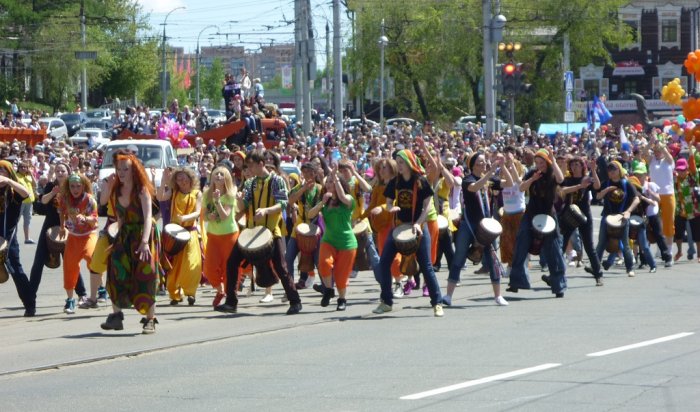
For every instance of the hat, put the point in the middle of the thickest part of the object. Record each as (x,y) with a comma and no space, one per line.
(681,164)
(369,173)
(544,155)
(618,166)
(635,181)
(640,168)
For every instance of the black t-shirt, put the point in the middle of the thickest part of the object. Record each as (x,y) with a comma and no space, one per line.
(619,199)
(402,192)
(472,201)
(10,209)
(580,197)
(542,193)
(51,209)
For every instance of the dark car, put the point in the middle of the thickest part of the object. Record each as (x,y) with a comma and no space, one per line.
(74,122)
(98,124)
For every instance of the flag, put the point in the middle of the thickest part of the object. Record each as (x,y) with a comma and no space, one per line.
(590,119)
(602,114)
(623,136)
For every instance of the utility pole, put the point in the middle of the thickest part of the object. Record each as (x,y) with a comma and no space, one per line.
(382,44)
(163,77)
(489,100)
(328,66)
(337,69)
(83,77)
(298,72)
(306,90)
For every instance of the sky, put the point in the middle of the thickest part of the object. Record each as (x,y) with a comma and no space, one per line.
(249,23)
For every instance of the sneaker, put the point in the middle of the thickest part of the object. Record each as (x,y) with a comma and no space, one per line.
(559,295)
(217,299)
(398,290)
(382,308)
(114,322)
(500,301)
(267,298)
(342,305)
(191,300)
(447,300)
(426,292)
(317,287)
(87,304)
(589,269)
(652,270)
(545,279)
(226,308)
(326,299)
(606,265)
(149,325)
(101,295)
(300,285)
(668,264)
(631,273)
(175,302)
(294,309)
(621,261)
(438,312)
(599,281)
(409,286)
(69,307)
(29,242)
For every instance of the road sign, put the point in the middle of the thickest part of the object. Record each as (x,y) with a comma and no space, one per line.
(86,55)
(569,81)
(569,117)
(569,101)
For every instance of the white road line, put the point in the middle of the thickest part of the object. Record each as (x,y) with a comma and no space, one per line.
(641,344)
(468,384)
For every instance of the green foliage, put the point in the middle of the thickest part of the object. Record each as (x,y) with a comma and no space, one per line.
(211,83)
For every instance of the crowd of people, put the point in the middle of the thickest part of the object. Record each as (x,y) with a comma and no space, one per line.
(402,203)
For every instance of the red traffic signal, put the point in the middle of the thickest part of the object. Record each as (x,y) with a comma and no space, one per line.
(508,69)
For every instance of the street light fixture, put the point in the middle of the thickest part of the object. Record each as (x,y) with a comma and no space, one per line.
(383,41)
(163,87)
(199,74)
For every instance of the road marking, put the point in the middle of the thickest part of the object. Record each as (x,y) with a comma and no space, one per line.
(468,384)
(641,344)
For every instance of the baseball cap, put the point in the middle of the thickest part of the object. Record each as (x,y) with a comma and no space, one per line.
(681,164)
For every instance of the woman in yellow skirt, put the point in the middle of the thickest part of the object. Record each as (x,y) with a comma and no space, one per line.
(185,209)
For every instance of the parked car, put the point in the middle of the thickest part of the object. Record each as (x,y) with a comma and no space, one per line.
(155,153)
(99,114)
(55,127)
(501,126)
(216,116)
(396,122)
(102,124)
(74,121)
(353,123)
(101,137)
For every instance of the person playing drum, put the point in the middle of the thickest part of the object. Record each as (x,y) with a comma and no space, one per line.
(222,230)
(263,198)
(640,212)
(12,193)
(576,190)
(185,210)
(408,197)
(339,245)
(620,197)
(476,208)
(303,196)
(78,211)
(542,184)
(134,265)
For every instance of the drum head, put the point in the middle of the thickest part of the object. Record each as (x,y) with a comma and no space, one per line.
(442,222)
(56,234)
(455,215)
(242,221)
(177,232)
(544,224)
(113,230)
(308,229)
(403,233)
(575,209)
(360,227)
(492,226)
(636,220)
(254,238)
(614,220)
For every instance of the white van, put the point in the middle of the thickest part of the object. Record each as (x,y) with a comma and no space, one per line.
(158,154)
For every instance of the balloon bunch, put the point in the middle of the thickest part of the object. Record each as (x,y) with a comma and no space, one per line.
(673,92)
(170,129)
(691,108)
(692,63)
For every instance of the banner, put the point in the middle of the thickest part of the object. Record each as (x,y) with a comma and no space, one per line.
(287,82)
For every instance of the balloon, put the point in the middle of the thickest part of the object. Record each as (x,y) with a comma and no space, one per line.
(681,119)
(184,144)
(692,63)
(604,128)
(691,109)
(673,92)
(667,122)
(638,127)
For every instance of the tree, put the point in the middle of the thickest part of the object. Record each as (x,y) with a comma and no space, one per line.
(212,79)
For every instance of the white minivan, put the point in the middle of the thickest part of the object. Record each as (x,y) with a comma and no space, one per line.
(157,154)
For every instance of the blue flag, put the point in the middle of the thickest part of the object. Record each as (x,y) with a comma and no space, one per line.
(590,119)
(601,113)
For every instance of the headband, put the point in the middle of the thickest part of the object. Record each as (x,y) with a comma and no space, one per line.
(74,178)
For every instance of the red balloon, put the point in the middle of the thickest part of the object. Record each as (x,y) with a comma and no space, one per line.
(638,127)
(667,122)
(604,128)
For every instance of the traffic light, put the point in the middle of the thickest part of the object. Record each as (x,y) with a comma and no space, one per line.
(502,111)
(508,71)
(520,79)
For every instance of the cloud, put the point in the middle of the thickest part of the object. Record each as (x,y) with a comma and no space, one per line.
(160,6)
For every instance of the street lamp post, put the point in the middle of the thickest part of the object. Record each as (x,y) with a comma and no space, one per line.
(163,88)
(383,41)
(199,74)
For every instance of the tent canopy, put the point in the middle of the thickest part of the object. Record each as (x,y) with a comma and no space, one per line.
(550,129)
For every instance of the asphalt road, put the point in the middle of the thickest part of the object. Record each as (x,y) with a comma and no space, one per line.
(631,345)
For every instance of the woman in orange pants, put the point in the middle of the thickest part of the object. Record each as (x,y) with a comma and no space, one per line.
(78,212)
(338,245)
(222,230)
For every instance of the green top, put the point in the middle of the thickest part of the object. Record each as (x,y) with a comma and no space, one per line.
(218,226)
(339,226)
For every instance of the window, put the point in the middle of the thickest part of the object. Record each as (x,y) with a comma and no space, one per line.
(630,86)
(592,87)
(669,31)
(634,29)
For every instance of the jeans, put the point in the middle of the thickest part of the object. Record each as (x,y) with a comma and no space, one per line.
(373,257)
(291,255)
(551,251)
(41,256)
(691,242)
(426,266)
(603,241)
(644,250)
(655,225)
(465,239)
(446,247)
(277,257)
(14,267)
(586,234)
